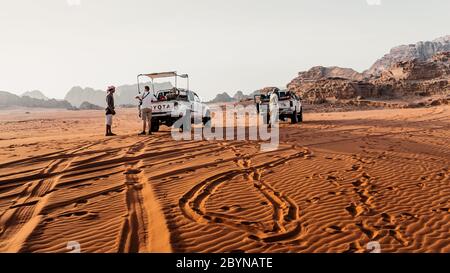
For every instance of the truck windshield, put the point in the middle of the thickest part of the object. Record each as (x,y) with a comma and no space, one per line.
(284,95)
(172,94)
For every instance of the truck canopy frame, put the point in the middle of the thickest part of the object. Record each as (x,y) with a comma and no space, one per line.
(159,75)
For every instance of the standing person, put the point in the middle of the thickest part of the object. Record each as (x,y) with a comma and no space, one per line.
(145,101)
(110,111)
(273,108)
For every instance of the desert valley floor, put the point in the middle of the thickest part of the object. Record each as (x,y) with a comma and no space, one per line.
(337,182)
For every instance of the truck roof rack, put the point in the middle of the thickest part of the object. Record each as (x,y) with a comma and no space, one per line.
(159,75)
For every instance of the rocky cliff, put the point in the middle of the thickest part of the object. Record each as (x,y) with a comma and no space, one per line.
(320,72)
(406,78)
(405,72)
(421,51)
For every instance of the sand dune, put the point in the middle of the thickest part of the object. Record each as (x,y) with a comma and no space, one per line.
(336,183)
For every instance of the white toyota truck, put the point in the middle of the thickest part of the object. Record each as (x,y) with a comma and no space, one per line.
(289,105)
(176,106)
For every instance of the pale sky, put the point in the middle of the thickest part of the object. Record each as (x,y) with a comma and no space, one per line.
(226,45)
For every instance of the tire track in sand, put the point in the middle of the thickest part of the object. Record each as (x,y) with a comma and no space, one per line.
(286,218)
(19,221)
(137,235)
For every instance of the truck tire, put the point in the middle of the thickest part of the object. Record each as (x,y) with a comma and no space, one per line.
(207,119)
(155,126)
(294,117)
(300,115)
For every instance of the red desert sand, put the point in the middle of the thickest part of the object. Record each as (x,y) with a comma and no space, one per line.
(337,182)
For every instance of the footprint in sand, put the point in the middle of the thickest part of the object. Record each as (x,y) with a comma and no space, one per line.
(369,231)
(388,218)
(420,185)
(336,193)
(398,236)
(243,163)
(91,216)
(73,213)
(355,247)
(313,200)
(358,183)
(233,208)
(333,180)
(334,229)
(365,175)
(355,210)
(405,216)
(248,223)
(355,168)
(80,202)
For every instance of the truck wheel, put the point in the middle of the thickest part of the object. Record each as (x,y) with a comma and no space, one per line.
(155,126)
(300,115)
(294,119)
(207,119)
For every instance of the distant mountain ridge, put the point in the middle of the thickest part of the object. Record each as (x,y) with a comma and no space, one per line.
(89,106)
(125,94)
(35,94)
(8,99)
(239,96)
(77,95)
(222,97)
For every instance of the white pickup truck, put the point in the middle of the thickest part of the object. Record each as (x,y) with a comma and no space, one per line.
(175,104)
(289,105)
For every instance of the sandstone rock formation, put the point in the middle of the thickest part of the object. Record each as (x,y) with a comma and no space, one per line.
(333,89)
(320,72)
(421,51)
(437,67)
(407,71)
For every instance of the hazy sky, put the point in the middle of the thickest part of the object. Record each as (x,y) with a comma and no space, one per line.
(226,45)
